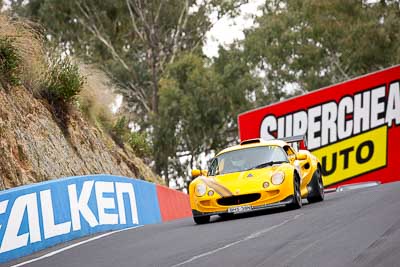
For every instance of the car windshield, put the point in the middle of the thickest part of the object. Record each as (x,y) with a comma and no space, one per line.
(247,159)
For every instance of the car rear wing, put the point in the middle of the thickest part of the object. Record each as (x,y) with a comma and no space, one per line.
(297,141)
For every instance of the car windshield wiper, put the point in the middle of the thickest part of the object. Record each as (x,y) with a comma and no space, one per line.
(266,164)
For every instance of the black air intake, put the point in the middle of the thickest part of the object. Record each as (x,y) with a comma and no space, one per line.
(236,200)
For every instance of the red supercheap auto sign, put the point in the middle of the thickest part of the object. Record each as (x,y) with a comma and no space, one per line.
(352,127)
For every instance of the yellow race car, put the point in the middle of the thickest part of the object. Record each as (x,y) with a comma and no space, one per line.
(255,175)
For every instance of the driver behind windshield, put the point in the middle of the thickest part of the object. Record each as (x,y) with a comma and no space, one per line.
(249,158)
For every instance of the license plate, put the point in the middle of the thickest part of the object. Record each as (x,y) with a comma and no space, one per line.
(239,209)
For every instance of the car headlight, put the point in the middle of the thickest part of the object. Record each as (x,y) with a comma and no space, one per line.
(277,178)
(200,189)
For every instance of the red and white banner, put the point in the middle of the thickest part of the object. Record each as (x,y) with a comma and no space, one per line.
(352,127)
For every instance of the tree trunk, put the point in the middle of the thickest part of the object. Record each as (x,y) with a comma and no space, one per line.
(166,175)
(154,63)
(191,160)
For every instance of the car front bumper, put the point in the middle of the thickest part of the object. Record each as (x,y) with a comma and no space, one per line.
(253,208)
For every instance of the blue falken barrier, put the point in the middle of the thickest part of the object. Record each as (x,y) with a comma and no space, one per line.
(38,216)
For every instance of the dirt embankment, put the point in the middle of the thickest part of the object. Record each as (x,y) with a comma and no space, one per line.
(35,146)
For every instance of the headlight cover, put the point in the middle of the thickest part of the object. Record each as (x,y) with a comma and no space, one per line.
(200,189)
(278,178)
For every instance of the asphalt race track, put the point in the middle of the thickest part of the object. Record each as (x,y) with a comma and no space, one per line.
(352,228)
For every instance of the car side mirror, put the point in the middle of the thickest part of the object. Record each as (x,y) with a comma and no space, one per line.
(197,173)
(301,155)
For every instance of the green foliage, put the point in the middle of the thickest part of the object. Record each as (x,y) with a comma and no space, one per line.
(120,126)
(116,128)
(119,131)
(188,110)
(85,105)
(64,82)
(139,144)
(121,134)
(317,43)
(239,86)
(199,103)
(104,120)
(9,62)
(133,41)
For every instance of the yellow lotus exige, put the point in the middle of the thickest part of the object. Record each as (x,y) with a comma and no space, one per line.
(255,175)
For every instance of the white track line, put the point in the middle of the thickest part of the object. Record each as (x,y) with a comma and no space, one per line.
(72,246)
(251,236)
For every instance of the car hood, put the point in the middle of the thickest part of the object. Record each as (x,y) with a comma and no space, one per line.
(238,183)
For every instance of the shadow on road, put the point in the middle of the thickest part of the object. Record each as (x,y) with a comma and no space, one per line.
(228,217)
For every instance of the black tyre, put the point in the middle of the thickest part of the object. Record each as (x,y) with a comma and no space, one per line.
(201,219)
(316,188)
(296,204)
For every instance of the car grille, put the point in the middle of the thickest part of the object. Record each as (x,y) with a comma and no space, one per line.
(236,200)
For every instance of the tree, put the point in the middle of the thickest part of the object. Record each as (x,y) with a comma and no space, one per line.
(200,101)
(239,86)
(311,43)
(133,40)
(189,102)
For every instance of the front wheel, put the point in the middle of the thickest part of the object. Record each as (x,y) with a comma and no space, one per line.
(201,219)
(296,204)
